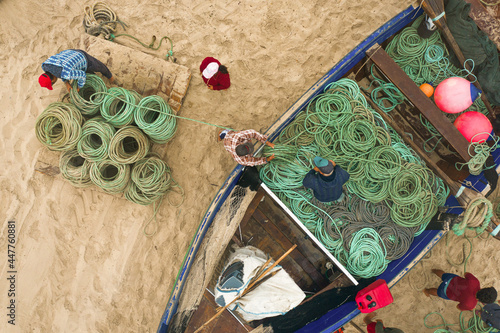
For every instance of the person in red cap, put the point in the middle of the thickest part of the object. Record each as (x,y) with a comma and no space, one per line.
(215,75)
(71,65)
(239,145)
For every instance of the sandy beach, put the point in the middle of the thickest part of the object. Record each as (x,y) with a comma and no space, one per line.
(83,262)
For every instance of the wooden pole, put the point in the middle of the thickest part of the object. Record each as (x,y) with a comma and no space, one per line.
(433,9)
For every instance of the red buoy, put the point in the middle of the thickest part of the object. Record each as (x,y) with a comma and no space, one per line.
(474,126)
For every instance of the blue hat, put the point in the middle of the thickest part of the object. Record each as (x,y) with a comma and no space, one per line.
(325,166)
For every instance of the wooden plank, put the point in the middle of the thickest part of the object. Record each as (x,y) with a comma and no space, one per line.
(454,187)
(489,24)
(408,117)
(206,310)
(435,116)
(433,8)
(410,122)
(293,233)
(285,243)
(144,73)
(263,241)
(251,208)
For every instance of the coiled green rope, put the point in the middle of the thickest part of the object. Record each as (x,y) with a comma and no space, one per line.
(477,217)
(128,145)
(110,176)
(367,254)
(151,179)
(86,100)
(75,168)
(58,127)
(95,139)
(481,153)
(339,125)
(160,126)
(118,106)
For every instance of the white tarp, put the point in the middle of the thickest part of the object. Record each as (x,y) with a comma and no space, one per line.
(276,296)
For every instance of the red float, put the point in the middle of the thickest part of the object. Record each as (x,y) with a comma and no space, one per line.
(474,126)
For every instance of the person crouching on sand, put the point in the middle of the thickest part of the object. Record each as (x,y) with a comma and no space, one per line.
(71,65)
(466,290)
(215,75)
(239,145)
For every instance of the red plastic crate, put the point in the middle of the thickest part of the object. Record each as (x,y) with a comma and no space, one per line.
(375,296)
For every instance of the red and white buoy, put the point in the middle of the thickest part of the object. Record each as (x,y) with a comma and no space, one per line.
(455,94)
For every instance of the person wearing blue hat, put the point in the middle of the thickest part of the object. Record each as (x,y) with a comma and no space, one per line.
(326,180)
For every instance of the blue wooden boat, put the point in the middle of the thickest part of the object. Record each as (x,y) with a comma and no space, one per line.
(422,244)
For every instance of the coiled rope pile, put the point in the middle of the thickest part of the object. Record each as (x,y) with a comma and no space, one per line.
(403,193)
(103,146)
(100,19)
(424,60)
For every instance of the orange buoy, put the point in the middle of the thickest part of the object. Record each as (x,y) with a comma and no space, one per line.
(427,89)
(474,126)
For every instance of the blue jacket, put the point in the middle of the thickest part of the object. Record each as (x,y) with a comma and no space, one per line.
(329,188)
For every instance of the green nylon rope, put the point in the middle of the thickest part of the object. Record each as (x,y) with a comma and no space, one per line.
(59,126)
(95,139)
(475,324)
(482,151)
(128,145)
(110,176)
(339,125)
(75,168)
(159,125)
(118,106)
(116,98)
(477,217)
(151,179)
(86,99)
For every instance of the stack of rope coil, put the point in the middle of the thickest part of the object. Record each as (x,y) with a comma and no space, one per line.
(101,143)
(400,192)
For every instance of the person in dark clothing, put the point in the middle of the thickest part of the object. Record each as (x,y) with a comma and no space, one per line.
(214,74)
(71,65)
(326,180)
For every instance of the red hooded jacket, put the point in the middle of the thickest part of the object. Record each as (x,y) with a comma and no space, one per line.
(220,80)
